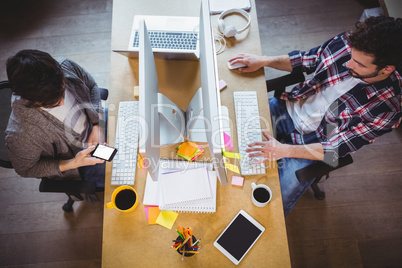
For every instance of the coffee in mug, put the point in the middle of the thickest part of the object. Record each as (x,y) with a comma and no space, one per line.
(124,199)
(261,194)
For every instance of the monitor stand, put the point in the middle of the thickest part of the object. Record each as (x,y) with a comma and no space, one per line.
(174,121)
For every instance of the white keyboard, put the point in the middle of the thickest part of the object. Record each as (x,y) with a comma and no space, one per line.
(125,161)
(248,130)
(170,40)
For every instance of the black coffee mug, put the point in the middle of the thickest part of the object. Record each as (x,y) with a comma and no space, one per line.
(261,194)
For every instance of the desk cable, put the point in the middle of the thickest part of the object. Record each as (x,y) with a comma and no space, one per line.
(218,38)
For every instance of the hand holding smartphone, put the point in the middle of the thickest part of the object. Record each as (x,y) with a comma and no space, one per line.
(104,152)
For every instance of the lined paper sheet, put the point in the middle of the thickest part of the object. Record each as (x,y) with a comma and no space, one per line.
(184,187)
(206,206)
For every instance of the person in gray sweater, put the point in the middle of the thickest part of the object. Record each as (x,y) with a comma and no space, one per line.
(54,124)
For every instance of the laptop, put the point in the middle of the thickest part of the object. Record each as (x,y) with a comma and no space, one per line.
(172,37)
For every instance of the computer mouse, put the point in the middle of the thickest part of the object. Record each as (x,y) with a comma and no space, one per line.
(236,65)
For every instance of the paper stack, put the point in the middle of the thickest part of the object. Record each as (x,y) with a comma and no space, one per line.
(190,189)
(190,150)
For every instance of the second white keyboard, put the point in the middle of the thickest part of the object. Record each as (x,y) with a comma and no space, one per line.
(125,161)
(248,130)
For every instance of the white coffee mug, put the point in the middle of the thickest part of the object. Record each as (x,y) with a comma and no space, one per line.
(261,194)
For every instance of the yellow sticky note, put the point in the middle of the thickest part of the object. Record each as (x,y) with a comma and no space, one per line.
(231,155)
(141,163)
(232,168)
(136,92)
(153,214)
(167,219)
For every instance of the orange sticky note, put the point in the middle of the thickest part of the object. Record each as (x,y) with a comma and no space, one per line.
(153,213)
(187,148)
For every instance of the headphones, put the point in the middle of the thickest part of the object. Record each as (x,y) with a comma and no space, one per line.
(230,31)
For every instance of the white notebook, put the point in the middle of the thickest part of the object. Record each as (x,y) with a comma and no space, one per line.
(183,187)
(205,206)
(152,194)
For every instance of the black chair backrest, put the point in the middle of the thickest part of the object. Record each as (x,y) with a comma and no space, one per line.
(104,93)
(5,111)
(398,68)
(279,84)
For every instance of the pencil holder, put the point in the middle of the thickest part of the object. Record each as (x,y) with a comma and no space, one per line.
(185,247)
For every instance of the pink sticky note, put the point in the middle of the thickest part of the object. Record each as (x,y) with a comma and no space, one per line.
(200,153)
(238,181)
(146,212)
(222,84)
(227,140)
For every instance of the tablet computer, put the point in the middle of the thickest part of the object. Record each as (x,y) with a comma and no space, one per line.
(239,236)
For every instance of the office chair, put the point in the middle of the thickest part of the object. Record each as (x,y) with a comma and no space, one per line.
(72,188)
(5,111)
(319,169)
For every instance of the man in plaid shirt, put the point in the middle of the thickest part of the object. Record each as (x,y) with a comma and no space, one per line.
(352,98)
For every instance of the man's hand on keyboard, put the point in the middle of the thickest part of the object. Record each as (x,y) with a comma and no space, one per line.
(270,150)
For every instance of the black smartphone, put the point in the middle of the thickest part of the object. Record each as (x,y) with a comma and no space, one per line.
(104,152)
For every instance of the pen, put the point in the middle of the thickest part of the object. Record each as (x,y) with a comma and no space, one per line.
(185,241)
(190,233)
(175,245)
(190,251)
(182,258)
(196,242)
(183,245)
(180,234)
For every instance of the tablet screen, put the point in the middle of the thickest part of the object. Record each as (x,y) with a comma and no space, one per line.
(239,237)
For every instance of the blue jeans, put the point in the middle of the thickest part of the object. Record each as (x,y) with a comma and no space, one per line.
(291,188)
(96,173)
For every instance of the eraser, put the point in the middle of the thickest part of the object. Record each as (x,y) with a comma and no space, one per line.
(222,84)
(136,92)
(238,181)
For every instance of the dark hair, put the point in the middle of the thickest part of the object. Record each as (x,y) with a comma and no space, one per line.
(380,37)
(37,77)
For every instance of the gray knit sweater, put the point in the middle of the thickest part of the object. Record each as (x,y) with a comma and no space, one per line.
(37,141)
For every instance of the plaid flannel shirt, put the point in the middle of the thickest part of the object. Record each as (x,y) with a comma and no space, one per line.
(358,117)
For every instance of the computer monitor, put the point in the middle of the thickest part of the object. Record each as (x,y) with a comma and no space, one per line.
(210,93)
(149,144)
(152,103)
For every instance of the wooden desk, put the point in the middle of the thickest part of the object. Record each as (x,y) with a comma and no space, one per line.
(128,240)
